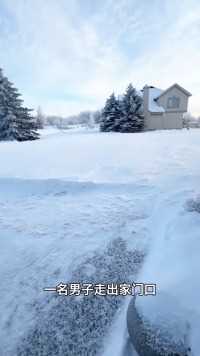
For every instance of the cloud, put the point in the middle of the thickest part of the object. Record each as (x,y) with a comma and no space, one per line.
(69,55)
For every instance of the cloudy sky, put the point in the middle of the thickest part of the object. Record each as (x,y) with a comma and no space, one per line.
(69,55)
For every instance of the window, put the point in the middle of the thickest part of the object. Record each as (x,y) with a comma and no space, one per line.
(173,102)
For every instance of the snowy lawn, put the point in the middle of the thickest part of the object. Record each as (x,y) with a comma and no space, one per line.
(92,206)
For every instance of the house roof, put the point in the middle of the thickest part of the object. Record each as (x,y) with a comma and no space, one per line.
(177,86)
(153,106)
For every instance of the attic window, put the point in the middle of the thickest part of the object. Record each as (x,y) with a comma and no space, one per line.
(173,102)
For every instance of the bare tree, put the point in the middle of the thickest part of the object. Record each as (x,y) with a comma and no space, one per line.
(40,118)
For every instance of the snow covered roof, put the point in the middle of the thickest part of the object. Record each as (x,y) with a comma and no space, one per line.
(153,106)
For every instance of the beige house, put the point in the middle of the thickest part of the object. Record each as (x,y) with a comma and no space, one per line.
(164,109)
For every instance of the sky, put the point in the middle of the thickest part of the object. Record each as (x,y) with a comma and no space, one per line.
(68,56)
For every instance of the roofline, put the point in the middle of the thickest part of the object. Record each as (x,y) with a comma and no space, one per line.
(175,85)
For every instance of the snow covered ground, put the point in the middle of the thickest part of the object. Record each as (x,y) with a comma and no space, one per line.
(87,205)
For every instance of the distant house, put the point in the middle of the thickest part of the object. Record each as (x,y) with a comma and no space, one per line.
(164,109)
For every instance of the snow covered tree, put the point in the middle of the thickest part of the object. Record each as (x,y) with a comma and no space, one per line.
(110,115)
(124,114)
(27,126)
(16,122)
(132,119)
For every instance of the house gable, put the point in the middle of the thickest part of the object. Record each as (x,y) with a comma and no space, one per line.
(176,86)
(174,99)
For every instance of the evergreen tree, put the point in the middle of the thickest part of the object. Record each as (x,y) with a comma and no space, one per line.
(132,119)
(110,115)
(16,122)
(119,117)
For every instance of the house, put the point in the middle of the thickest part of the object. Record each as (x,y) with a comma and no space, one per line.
(164,109)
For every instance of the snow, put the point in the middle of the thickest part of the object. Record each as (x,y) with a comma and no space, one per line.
(154,93)
(117,341)
(174,261)
(64,199)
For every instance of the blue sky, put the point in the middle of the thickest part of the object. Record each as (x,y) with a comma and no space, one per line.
(69,55)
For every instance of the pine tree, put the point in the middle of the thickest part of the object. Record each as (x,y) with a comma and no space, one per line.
(131,106)
(16,122)
(119,116)
(110,115)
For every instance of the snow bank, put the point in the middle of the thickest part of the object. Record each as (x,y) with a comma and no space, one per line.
(173,262)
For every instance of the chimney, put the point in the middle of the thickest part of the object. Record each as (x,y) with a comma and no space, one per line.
(145,98)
